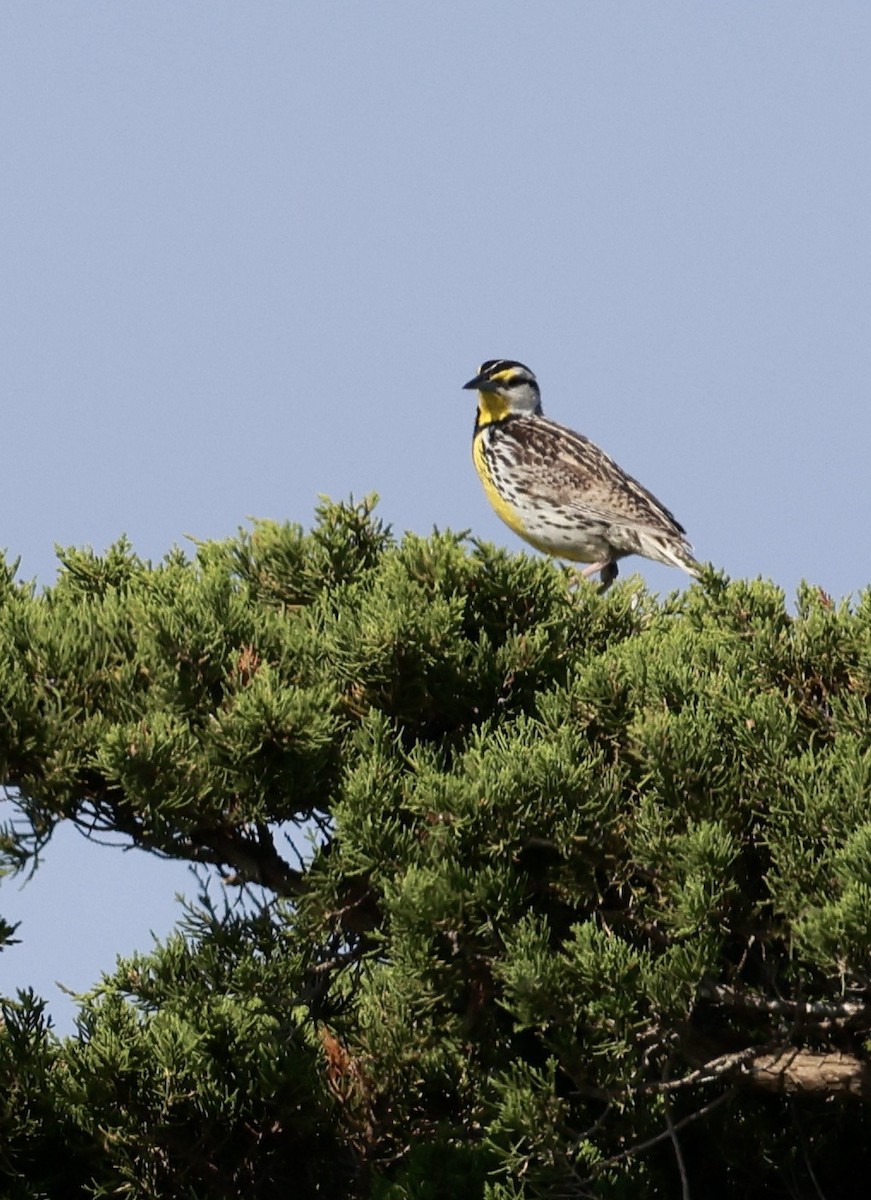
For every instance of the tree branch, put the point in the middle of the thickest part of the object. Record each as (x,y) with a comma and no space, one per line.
(793,1071)
(254,859)
(819,1010)
(785,1069)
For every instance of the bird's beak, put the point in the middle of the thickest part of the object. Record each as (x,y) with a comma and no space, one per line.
(482,384)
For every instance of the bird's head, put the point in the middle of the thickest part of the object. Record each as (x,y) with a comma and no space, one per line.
(505,388)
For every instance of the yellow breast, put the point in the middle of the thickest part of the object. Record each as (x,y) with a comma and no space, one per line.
(552,530)
(503,508)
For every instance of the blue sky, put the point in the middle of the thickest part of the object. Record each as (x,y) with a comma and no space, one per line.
(252,251)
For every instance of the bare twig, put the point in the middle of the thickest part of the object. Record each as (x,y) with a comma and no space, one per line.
(715,1069)
(803,1143)
(672,1132)
(640,1147)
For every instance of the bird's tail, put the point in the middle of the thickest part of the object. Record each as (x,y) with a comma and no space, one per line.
(674,552)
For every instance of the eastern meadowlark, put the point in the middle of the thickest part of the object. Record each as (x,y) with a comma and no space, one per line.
(558,490)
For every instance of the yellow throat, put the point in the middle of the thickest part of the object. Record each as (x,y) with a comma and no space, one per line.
(491,407)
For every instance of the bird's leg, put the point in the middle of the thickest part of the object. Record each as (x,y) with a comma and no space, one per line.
(608,571)
(593,568)
(608,574)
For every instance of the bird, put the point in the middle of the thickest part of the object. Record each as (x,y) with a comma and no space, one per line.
(557,489)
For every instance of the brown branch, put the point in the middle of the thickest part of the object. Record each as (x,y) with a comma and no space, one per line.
(782,1067)
(249,853)
(809,1072)
(786,1069)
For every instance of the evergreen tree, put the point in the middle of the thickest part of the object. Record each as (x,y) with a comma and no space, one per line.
(586,905)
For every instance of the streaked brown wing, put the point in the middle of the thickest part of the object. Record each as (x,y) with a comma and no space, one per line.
(552,462)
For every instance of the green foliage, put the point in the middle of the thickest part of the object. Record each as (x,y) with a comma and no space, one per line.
(193,1074)
(567,849)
